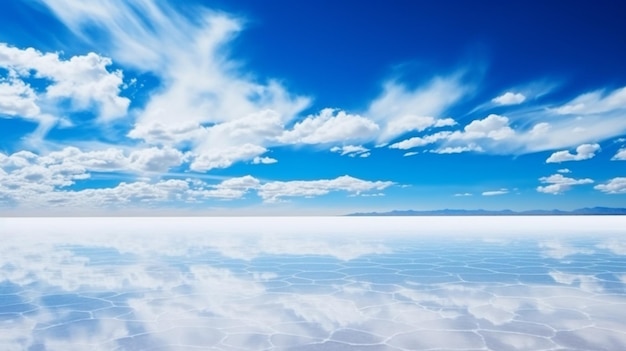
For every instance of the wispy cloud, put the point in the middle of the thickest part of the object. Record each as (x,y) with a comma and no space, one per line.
(538,129)
(330,126)
(463,194)
(502,191)
(400,109)
(595,103)
(351,150)
(420,141)
(620,155)
(200,84)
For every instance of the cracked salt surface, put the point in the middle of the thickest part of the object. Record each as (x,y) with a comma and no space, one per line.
(461,283)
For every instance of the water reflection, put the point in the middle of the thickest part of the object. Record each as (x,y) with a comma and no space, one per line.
(180,284)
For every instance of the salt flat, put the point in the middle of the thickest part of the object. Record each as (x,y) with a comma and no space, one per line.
(313,283)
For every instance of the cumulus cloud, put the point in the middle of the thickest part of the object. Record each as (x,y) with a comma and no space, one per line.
(620,155)
(151,159)
(564,171)
(83,79)
(490,134)
(242,139)
(351,150)
(502,191)
(155,159)
(276,190)
(509,98)
(31,179)
(225,156)
(28,180)
(583,152)
(557,183)
(330,126)
(17,99)
(493,127)
(614,186)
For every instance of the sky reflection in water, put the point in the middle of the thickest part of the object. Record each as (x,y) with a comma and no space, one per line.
(313,283)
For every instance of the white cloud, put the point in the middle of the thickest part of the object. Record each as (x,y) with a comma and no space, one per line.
(34,180)
(444,122)
(587,119)
(493,127)
(225,157)
(159,134)
(274,191)
(30,181)
(113,159)
(509,98)
(463,194)
(17,99)
(407,123)
(557,183)
(351,150)
(620,155)
(457,149)
(233,188)
(205,101)
(263,160)
(614,186)
(543,128)
(243,139)
(594,103)
(84,80)
(155,159)
(412,153)
(330,126)
(420,141)
(502,191)
(399,109)
(564,171)
(583,152)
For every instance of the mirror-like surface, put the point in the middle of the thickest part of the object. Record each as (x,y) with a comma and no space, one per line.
(524,283)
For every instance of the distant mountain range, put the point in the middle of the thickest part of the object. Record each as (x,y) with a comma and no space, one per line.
(589,211)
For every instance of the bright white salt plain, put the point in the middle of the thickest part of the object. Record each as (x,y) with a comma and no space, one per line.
(313,283)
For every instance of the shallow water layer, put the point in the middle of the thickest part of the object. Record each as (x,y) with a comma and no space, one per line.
(448,283)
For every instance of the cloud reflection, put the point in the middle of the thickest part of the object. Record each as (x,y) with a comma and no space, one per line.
(109,289)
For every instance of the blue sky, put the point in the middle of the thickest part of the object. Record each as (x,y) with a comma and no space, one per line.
(310,107)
